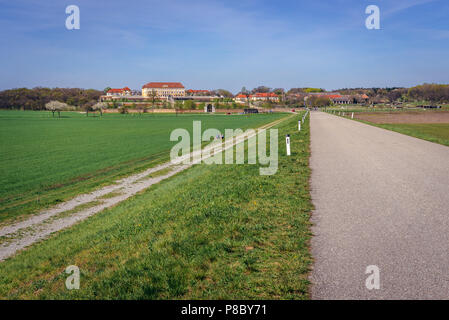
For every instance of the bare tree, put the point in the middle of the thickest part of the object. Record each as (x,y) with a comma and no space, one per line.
(261,89)
(99,107)
(246,93)
(88,107)
(153,99)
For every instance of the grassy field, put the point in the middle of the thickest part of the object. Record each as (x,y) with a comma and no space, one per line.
(211,232)
(435,132)
(359,109)
(47,160)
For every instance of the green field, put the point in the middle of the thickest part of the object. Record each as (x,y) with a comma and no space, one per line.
(46,160)
(434,132)
(210,232)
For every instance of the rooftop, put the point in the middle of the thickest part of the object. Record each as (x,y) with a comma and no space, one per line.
(160,85)
(119,90)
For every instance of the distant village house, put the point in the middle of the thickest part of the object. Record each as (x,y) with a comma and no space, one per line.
(270,96)
(192,92)
(119,92)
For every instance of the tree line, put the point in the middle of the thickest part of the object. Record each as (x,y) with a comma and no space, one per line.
(37,98)
(434,93)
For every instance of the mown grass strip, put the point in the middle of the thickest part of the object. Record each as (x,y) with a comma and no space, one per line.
(434,132)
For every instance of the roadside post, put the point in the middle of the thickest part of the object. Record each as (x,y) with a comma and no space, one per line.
(299,125)
(287,144)
(352,115)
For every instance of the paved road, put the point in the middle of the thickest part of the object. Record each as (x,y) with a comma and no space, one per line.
(381,198)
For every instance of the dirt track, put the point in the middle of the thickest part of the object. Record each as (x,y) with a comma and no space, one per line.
(405,117)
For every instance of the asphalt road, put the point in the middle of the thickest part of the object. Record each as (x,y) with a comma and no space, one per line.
(381,198)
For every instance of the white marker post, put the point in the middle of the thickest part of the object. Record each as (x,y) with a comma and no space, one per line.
(299,125)
(287,143)
(352,115)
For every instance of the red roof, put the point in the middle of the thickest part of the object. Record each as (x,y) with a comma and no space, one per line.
(265,95)
(119,90)
(160,85)
(197,91)
(241,96)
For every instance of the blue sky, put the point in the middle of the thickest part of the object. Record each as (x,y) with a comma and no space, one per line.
(209,44)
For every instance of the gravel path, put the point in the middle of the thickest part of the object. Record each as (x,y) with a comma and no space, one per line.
(20,235)
(381,198)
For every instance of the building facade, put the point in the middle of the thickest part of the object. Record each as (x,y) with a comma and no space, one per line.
(343,100)
(241,98)
(119,92)
(272,97)
(269,96)
(164,90)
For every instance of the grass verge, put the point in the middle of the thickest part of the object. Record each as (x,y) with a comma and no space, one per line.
(434,132)
(210,232)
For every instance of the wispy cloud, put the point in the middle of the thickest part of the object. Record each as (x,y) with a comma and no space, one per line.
(401,5)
